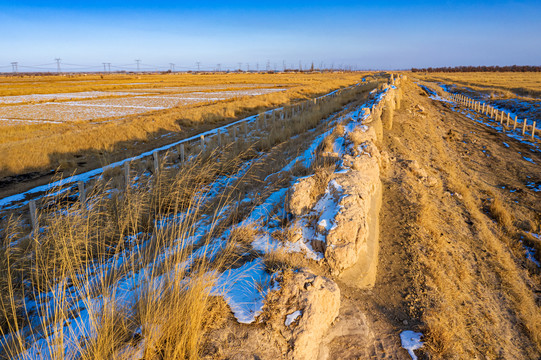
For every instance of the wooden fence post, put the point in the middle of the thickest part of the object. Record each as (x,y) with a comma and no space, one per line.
(245,129)
(82,193)
(515,123)
(202,138)
(33,217)
(219,137)
(181,153)
(127,173)
(524,127)
(533,131)
(156,162)
(508,118)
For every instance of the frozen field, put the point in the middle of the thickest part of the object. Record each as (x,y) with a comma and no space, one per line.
(62,96)
(88,106)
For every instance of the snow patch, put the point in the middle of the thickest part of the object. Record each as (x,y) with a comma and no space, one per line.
(244,289)
(411,341)
(292,317)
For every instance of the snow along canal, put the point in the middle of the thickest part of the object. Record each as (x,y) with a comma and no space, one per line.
(244,288)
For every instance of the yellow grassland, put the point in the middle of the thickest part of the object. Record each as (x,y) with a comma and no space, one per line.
(499,84)
(40,147)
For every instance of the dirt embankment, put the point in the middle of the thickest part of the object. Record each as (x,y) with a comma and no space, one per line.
(457,210)
(395,214)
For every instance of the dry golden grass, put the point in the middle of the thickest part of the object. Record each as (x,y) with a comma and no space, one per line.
(499,212)
(173,307)
(45,146)
(502,84)
(471,290)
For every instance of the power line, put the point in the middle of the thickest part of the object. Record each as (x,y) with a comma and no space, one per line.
(58,70)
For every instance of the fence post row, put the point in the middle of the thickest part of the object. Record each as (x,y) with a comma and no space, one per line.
(261,120)
(493,113)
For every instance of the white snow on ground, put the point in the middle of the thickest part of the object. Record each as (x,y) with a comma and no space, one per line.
(533,186)
(411,341)
(292,317)
(62,96)
(528,159)
(534,147)
(328,206)
(18,200)
(88,108)
(530,252)
(244,289)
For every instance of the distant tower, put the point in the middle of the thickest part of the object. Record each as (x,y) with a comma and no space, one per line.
(219,67)
(58,70)
(14,66)
(240,66)
(172,67)
(138,62)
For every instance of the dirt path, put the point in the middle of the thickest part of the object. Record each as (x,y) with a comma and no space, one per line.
(449,265)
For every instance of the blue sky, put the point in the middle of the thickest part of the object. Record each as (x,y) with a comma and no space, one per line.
(366,35)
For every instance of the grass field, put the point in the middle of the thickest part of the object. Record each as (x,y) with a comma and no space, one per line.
(59,128)
(493,84)
(130,270)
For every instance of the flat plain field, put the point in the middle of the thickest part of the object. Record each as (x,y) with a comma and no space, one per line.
(77,122)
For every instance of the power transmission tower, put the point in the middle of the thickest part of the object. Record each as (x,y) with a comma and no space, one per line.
(300,66)
(137,61)
(247,67)
(109,66)
(104,67)
(257,67)
(268,65)
(240,66)
(172,67)
(198,66)
(14,67)
(284,65)
(58,70)
(219,67)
